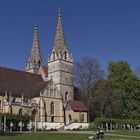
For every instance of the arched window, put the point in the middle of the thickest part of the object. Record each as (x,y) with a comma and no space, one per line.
(53,55)
(66,96)
(44,105)
(20,111)
(65,55)
(52,108)
(45,116)
(39,63)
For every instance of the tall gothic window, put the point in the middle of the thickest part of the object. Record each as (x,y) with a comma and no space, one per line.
(66,96)
(53,55)
(65,55)
(45,116)
(44,105)
(52,108)
(39,63)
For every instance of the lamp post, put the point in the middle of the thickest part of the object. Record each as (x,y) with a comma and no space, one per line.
(64,109)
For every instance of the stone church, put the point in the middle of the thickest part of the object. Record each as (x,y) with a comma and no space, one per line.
(45,91)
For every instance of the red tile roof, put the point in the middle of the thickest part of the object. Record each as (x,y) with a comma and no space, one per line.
(20,82)
(78,106)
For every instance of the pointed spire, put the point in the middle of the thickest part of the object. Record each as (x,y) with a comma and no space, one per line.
(35,38)
(35,53)
(35,59)
(59,42)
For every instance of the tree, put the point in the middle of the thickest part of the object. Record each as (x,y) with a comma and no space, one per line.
(87,73)
(125,89)
(101,95)
(77,94)
(137,71)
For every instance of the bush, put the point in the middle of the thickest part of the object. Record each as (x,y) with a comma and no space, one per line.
(92,126)
(118,123)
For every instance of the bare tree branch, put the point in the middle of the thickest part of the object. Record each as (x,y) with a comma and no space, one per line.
(87,73)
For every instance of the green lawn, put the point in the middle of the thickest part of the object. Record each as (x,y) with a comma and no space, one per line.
(128,133)
(58,136)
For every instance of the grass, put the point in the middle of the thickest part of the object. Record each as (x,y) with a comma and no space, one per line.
(59,136)
(125,132)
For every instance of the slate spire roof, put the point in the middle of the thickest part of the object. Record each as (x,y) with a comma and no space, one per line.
(59,41)
(35,59)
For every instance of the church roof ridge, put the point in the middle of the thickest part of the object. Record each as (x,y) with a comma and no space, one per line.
(17,70)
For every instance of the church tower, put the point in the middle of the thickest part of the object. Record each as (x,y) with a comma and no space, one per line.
(60,64)
(35,61)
